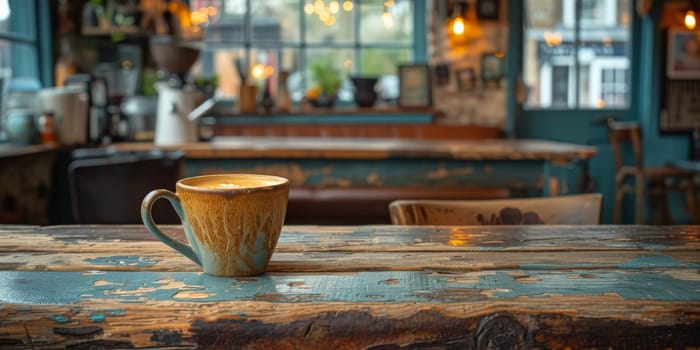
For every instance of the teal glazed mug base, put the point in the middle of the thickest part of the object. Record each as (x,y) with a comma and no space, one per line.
(232,221)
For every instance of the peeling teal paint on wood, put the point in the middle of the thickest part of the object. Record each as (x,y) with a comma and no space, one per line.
(123,260)
(385,172)
(657,261)
(60,319)
(656,286)
(388,286)
(97,318)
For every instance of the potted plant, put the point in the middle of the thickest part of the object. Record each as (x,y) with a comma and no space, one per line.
(326,81)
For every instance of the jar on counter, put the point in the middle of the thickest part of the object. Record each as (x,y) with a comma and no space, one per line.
(21,128)
(47,129)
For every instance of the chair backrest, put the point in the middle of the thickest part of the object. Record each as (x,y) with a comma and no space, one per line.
(625,132)
(581,209)
(109,188)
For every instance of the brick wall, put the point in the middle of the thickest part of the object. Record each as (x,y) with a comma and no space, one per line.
(484,103)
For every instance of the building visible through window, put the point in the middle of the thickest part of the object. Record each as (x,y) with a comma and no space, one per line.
(576,53)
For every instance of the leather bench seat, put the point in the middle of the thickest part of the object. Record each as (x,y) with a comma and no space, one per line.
(369,205)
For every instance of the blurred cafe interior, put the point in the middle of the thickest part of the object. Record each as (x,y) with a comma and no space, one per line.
(358,102)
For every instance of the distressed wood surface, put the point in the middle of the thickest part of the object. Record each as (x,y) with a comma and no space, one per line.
(357,287)
(348,148)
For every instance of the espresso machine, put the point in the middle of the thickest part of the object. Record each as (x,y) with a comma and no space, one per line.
(176,99)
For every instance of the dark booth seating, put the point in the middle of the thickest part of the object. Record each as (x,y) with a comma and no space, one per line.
(107,187)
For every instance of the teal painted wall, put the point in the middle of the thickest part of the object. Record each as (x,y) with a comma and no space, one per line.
(581,126)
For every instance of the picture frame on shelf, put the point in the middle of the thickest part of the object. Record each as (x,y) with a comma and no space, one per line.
(415,86)
(683,57)
(487,9)
(466,79)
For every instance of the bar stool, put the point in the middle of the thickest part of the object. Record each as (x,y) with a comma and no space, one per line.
(647,181)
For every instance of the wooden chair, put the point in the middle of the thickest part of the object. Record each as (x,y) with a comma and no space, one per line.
(646,181)
(582,209)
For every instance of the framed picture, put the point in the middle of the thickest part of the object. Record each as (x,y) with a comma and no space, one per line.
(466,79)
(683,59)
(487,9)
(442,74)
(493,67)
(415,88)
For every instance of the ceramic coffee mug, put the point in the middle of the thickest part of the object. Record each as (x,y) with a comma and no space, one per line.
(232,221)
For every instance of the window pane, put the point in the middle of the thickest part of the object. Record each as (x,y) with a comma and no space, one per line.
(391,24)
(222,64)
(603,55)
(276,20)
(378,62)
(17,24)
(564,68)
(328,22)
(548,62)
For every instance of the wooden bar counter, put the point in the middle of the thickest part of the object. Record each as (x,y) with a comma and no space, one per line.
(337,162)
(358,287)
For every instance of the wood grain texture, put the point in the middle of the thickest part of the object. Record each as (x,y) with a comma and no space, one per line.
(357,287)
(349,148)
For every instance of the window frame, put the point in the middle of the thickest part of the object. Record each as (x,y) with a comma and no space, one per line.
(30,25)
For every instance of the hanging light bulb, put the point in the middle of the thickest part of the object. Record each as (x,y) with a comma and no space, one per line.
(690,19)
(458,26)
(458,22)
(387,18)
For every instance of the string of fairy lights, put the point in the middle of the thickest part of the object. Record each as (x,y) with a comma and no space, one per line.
(327,11)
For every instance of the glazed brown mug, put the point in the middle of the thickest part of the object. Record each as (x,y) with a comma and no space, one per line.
(232,221)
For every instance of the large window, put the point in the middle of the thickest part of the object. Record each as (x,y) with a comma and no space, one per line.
(576,53)
(20,46)
(358,37)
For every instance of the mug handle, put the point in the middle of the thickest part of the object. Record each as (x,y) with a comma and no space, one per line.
(147,217)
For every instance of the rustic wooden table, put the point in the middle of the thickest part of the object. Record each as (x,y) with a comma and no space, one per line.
(358,287)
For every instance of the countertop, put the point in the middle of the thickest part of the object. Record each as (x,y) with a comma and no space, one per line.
(369,148)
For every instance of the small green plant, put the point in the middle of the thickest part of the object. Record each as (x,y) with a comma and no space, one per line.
(326,77)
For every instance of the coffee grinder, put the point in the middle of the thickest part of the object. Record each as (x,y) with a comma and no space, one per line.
(176,99)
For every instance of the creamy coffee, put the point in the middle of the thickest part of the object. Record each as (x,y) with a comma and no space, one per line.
(233,181)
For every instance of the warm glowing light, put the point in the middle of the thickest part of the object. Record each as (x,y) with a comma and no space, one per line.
(268,71)
(690,19)
(309,8)
(347,63)
(601,103)
(456,243)
(347,5)
(319,5)
(389,3)
(329,21)
(552,39)
(334,6)
(500,54)
(324,16)
(198,18)
(258,71)
(387,19)
(458,26)
(212,11)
